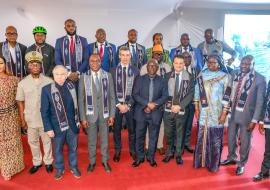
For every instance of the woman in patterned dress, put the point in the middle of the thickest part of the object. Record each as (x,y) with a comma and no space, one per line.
(11,149)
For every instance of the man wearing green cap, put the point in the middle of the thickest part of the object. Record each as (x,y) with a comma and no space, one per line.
(45,49)
(29,101)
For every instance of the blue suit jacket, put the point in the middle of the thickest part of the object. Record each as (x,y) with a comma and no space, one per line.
(141,96)
(105,62)
(48,114)
(199,63)
(59,58)
(136,74)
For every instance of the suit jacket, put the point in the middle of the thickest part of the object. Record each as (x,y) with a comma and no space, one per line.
(195,53)
(137,62)
(105,62)
(254,104)
(59,60)
(48,113)
(136,72)
(97,110)
(189,97)
(141,96)
(23,51)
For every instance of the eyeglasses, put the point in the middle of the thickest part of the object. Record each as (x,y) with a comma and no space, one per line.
(11,33)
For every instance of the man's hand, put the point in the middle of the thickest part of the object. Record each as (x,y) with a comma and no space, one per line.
(24,124)
(123,108)
(175,108)
(222,118)
(261,129)
(50,133)
(147,110)
(110,121)
(230,61)
(251,126)
(151,105)
(74,76)
(84,124)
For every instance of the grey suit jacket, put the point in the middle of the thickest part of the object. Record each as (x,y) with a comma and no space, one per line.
(254,104)
(97,108)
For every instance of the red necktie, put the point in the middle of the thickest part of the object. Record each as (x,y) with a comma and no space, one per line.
(101,51)
(72,45)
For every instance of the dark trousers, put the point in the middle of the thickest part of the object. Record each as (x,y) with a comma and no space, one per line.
(153,130)
(174,125)
(71,139)
(131,131)
(266,160)
(188,125)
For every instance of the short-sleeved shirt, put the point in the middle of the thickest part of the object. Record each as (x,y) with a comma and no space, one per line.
(29,91)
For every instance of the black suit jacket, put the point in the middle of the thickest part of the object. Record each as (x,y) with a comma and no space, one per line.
(23,50)
(141,96)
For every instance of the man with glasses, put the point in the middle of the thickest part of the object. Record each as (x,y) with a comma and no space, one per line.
(14,53)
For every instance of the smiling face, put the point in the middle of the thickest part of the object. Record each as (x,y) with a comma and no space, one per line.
(209,35)
(184,40)
(178,64)
(40,38)
(246,64)
(152,68)
(157,39)
(132,36)
(101,35)
(212,64)
(94,62)
(34,67)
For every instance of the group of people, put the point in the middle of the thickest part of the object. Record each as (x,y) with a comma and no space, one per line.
(53,91)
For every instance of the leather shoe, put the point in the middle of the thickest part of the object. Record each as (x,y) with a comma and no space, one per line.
(133,155)
(91,168)
(23,131)
(179,161)
(152,163)
(260,176)
(167,159)
(137,163)
(240,170)
(49,168)
(59,174)
(227,162)
(161,151)
(77,174)
(107,167)
(34,169)
(116,157)
(189,149)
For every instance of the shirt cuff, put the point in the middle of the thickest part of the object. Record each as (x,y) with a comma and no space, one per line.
(254,121)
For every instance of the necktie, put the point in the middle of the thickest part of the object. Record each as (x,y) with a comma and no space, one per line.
(177,84)
(97,83)
(72,44)
(151,89)
(237,92)
(101,51)
(124,78)
(133,53)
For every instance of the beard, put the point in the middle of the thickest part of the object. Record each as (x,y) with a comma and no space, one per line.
(71,33)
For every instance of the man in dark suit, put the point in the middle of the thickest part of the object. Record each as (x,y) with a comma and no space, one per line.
(150,93)
(264,128)
(105,50)
(124,76)
(248,92)
(14,53)
(181,93)
(59,112)
(97,110)
(71,51)
(138,54)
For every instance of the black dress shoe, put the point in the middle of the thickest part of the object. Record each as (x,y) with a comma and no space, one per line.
(161,151)
(34,169)
(240,170)
(107,167)
(23,131)
(133,155)
(137,163)
(152,163)
(116,157)
(179,161)
(167,159)
(91,168)
(260,176)
(227,162)
(189,149)
(49,168)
